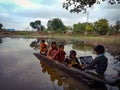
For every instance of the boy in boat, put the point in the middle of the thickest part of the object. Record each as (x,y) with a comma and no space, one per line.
(72,60)
(100,62)
(52,50)
(60,54)
(43,48)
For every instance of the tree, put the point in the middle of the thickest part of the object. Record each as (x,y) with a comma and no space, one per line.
(1,26)
(89,28)
(49,24)
(117,26)
(81,5)
(42,28)
(101,26)
(55,24)
(79,28)
(36,25)
(111,30)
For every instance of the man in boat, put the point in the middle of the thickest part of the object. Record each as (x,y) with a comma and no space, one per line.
(72,60)
(60,55)
(43,48)
(100,62)
(52,51)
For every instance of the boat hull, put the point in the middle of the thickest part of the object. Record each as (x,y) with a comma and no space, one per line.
(79,75)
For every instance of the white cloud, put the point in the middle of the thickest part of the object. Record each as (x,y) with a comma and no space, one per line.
(25,3)
(19,13)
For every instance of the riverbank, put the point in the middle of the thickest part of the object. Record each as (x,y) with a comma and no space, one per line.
(112,43)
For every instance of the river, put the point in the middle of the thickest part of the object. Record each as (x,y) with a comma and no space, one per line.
(21,70)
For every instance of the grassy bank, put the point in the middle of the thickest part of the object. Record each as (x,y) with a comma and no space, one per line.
(110,40)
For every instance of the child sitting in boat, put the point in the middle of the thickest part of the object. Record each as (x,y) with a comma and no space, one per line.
(52,50)
(72,60)
(60,55)
(43,48)
(100,62)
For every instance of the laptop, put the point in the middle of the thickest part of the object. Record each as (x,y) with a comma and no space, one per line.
(85,59)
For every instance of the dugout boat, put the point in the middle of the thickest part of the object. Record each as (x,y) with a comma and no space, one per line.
(84,76)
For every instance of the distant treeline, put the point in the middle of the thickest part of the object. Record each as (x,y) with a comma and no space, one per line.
(56,25)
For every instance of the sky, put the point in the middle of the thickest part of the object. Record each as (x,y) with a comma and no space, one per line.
(17,14)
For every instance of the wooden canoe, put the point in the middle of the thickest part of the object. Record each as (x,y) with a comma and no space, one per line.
(80,75)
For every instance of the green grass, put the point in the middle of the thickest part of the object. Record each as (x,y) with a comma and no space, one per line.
(110,40)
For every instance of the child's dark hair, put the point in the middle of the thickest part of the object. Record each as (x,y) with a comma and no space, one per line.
(100,49)
(61,46)
(72,52)
(42,41)
(53,43)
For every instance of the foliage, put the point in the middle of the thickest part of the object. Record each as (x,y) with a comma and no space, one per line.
(81,45)
(23,32)
(89,28)
(101,26)
(37,25)
(55,24)
(81,5)
(1,26)
(111,30)
(79,28)
(42,28)
(117,26)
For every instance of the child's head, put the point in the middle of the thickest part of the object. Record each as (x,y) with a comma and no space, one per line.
(99,49)
(53,45)
(61,47)
(42,41)
(72,54)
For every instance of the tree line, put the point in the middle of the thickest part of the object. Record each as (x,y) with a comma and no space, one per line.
(100,27)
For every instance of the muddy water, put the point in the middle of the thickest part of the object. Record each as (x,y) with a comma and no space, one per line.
(21,70)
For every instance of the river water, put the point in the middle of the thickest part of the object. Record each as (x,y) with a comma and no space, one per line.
(21,70)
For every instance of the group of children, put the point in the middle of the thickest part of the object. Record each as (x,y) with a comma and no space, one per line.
(99,64)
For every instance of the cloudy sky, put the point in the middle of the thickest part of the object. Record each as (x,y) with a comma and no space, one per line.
(18,14)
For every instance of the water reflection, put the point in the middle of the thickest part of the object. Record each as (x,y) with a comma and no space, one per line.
(67,82)
(1,41)
(62,79)
(82,46)
(78,45)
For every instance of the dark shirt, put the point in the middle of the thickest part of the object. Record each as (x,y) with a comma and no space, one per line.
(99,64)
(75,63)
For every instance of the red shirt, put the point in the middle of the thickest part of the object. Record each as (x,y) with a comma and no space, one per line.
(60,56)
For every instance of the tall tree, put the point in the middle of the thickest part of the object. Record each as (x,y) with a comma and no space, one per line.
(79,28)
(89,28)
(32,24)
(49,24)
(36,25)
(42,28)
(1,26)
(101,26)
(55,24)
(117,26)
(81,5)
